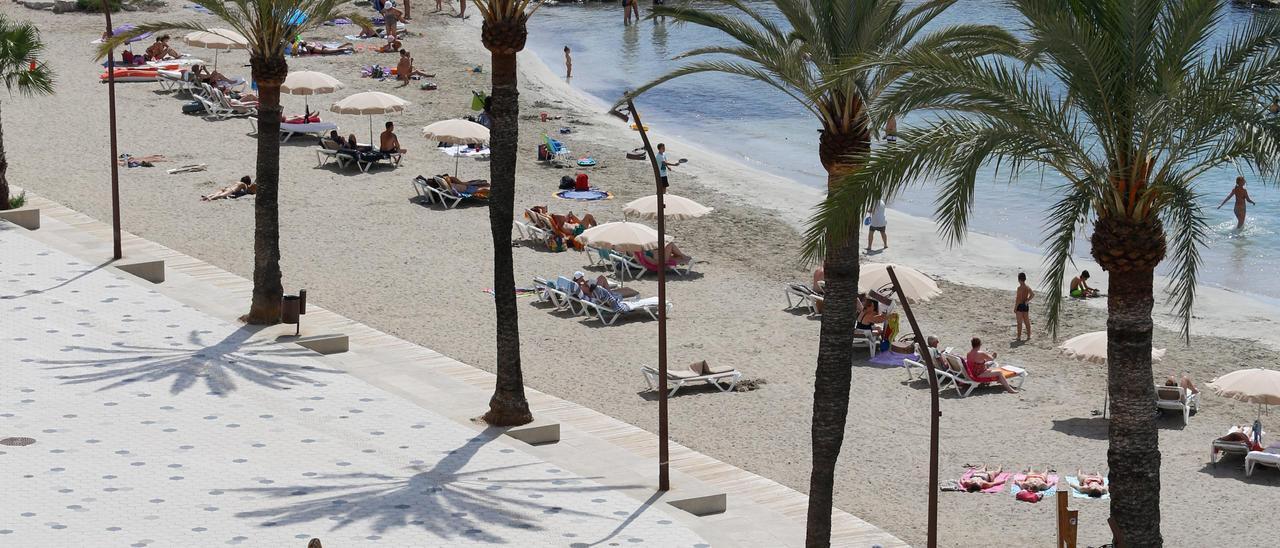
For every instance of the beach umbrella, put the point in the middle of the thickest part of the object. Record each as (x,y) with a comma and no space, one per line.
(123,29)
(1257,386)
(308,82)
(216,40)
(370,103)
(1092,347)
(674,207)
(457,132)
(624,236)
(916,286)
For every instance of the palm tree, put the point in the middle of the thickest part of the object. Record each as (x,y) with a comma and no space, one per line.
(1131,105)
(21,73)
(816,52)
(268,25)
(503,34)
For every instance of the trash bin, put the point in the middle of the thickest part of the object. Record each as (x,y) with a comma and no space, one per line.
(291,309)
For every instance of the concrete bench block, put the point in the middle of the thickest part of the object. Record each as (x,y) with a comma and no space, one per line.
(25,217)
(704,505)
(325,344)
(151,271)
(536,433)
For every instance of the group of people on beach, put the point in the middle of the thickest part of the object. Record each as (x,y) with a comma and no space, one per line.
(982,478)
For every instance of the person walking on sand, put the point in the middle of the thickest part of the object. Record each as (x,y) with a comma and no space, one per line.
(568,64)
(878,224)
(1241,195)
(1022,305)
(663,164)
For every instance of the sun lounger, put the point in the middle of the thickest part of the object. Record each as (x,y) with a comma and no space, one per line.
(868,337)
(679,266)
(1177,398)
(609,314)
(1267,457)
(625,265)
(723,378)
(554,294)
(966,385)
(435,188)
(533,230)
(369,158)
(318,129)
(465,151)
(804,296)
(1234,447)
(330,150)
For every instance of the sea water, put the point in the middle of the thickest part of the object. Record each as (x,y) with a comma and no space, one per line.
(762,127)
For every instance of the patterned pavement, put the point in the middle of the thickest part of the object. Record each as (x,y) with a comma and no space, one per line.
(158,425)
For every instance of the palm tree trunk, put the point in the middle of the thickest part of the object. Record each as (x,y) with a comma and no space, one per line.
(1129,252)
(4,169)
(508,406)
(835,349)
(269,73)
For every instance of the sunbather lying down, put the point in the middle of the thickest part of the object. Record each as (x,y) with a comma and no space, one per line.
(1035,481)
(477,187)
(1090,484)
(322,49)
(981,479)
(245,186)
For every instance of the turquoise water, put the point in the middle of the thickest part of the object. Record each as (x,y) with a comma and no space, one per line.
(762,127)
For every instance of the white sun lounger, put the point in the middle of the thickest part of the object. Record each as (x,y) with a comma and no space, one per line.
(965,385)
(723,378)
(804,296)
(610,316)
(868,337)
(1233,447)
(1267,457)
(1177,398)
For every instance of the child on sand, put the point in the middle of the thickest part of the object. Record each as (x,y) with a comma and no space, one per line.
(1080,287)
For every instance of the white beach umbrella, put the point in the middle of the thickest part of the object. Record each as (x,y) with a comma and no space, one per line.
(457,132)
(1092,347)
(1257,386)
(308,83)
(370,103)
(916,286)
(216,40)
(673,207)
(622,236)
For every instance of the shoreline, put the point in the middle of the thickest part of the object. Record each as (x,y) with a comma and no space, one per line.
(983,260)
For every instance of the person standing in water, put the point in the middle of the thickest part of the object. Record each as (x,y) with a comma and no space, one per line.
(1241,195)
(1022,305)
(568,64)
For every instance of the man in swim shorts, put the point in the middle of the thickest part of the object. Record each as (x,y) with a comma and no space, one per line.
(1021,305)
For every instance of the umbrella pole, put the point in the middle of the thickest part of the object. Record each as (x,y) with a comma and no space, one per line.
(370,130)
(664,478)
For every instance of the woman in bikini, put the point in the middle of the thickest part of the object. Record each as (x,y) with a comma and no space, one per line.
(870,317)
(981,479)
(1241,195)
(1090,484)
(245,186)
(1035,481)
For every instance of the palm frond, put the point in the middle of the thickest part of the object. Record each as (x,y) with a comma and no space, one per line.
(21,70)
(1188,232)
(1066,219)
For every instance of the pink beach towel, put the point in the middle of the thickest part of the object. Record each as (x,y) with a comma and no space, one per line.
(1001,478)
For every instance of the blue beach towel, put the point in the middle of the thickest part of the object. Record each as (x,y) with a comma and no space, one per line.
(584,195)
(1079,495)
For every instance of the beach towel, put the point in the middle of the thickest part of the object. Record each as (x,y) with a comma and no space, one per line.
(1079,495)
(890,357)
(1002,477)
(198,9)
(589,195)
(1051,491)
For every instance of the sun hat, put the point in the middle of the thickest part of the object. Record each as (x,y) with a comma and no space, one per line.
(578,275)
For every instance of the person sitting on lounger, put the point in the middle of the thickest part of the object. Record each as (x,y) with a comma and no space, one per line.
(573,225)
(978,366)
(245,186)
(215,79)
(336,139)
(981,479)
(321,49)
(160,50)
(353,144)
(1080,286)
(388,143)
(1093,485)
(870,318)
(1035,481)
(1185,383)
(405,70)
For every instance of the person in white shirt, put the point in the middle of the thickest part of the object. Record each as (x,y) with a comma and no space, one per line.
(878,224)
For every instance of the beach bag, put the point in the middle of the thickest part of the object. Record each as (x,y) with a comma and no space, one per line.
(580,184)
(566,182)
(192,107)
(477,101)
(543,154)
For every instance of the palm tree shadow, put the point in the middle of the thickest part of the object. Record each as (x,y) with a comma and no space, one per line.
(61,282)
(217,365)
(441,499)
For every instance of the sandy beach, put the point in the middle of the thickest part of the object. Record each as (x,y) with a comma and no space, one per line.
(364,248)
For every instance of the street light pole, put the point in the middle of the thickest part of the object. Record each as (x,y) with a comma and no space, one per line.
(664,475)
(111,110)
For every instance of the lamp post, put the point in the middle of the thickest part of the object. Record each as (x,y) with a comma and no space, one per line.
(664,475)
(111,111)
(934,412)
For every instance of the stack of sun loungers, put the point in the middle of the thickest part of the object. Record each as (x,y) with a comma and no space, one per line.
(723,378)
(564,295)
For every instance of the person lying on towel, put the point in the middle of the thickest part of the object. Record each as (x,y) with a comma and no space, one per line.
(1090,484)
(313,48)
(1035,481)
(981,479)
